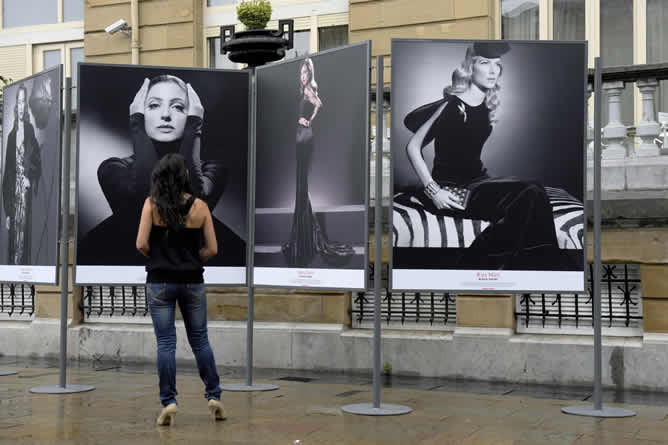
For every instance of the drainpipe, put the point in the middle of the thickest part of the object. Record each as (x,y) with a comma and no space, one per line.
(134,19)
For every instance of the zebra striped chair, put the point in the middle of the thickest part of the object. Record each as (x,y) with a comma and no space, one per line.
(414,226)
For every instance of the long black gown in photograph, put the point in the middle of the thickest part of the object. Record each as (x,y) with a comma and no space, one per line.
(307,237)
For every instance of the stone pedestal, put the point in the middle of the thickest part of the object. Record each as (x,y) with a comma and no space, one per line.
(486,312)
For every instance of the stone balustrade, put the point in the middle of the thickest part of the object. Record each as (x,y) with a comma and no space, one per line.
(633,159)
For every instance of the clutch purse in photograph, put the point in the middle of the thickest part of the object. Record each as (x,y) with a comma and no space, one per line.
(461,194)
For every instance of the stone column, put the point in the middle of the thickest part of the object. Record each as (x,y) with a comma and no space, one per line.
(614,133)
(648,128)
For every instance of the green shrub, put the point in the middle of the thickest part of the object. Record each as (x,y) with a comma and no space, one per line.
(254,13)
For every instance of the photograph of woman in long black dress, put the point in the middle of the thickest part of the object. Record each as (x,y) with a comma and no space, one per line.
(311,170)
(166,115)
(30,172)
(307,237)
(456,209)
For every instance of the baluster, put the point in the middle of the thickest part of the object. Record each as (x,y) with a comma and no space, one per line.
(648,128)
(614,133)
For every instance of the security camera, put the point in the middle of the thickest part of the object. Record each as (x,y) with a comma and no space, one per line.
(120,25)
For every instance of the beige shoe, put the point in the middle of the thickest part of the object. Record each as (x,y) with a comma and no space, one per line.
(168,415)
(216,409)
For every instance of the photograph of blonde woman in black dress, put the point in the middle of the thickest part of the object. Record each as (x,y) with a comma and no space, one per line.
(169,112)
(30,176)
(307,237)
(311,189)
(456,208)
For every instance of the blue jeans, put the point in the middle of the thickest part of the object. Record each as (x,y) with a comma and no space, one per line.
(162,298)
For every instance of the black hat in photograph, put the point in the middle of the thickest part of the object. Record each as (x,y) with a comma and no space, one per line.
(491,50)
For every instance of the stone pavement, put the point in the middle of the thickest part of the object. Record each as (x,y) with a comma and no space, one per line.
(305,411)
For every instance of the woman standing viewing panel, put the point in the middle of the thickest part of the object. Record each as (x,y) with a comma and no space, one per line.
(172,226)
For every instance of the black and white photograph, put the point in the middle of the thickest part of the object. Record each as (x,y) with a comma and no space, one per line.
(488,170)
(311,170)
(132,116)
(31,158)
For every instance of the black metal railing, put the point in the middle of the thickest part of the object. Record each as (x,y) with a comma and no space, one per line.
(620,303)
(17,300)
(114,301)
(408,309)
(404,309)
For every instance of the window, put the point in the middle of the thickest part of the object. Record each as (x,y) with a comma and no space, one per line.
(51,58)
(617,48)
(301,45)
(519,19)
(210,3)
(216,59)
(332,37)
(569,20)
(657,43)
(21,13)
(73,10)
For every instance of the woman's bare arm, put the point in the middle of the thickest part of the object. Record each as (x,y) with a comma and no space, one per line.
(145,225)
(315,100)
(442,199)
(210,248)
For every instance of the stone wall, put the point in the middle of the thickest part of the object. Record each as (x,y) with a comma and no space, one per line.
(170,32)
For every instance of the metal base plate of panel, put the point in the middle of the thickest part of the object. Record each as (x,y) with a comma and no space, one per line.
(606,412)
(242,387)
(68,389)
(7,372)
(385,409)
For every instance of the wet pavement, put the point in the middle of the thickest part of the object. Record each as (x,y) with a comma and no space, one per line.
(306,410)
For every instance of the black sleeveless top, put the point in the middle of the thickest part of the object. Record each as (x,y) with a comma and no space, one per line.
(459,135)
(306,108)
(174,254)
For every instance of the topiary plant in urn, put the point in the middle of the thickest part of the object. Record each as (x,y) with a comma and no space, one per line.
(254,14)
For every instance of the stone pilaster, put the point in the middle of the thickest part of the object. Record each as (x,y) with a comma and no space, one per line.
(486,311)
(654,298)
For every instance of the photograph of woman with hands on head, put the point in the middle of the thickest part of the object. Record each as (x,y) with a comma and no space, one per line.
(166,116)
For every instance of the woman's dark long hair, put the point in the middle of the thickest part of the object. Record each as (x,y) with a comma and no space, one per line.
(26,116)
(169,181)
